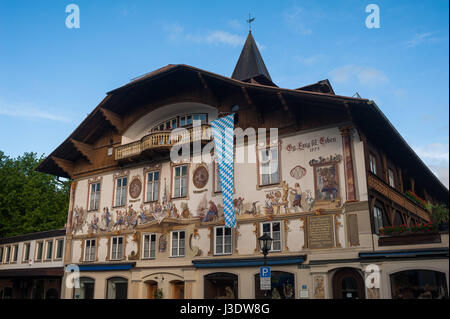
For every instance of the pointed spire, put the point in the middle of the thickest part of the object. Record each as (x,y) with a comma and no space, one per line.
(250,65)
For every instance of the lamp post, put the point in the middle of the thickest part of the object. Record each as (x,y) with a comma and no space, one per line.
(265,243)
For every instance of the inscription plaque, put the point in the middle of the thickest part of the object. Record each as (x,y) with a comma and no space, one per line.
(320,232)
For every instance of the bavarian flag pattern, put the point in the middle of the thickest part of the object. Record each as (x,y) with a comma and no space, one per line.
(223,129)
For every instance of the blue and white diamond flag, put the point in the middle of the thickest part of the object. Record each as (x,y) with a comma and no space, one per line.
(223,129)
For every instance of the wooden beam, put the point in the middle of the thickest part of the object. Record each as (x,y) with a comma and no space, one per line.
(113,118)
(251,102)
(286,106)
(65,165)
(202,80)
(84,149)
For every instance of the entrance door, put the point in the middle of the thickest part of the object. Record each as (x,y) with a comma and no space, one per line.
(177,289)
(348,284)
(152,286)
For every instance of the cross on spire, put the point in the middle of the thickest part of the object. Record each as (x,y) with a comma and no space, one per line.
(249,21)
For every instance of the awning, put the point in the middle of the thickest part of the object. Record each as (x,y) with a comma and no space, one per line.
(32,272)
(107,267)
(413,253)
(248,262)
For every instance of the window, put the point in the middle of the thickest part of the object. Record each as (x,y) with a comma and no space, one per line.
(86,290)
(94,196)
(419,284)
(117,248)
(180,181)
(8,254)
(282,286)
(121,191)
(149,249)
(117,288)
(391,178)
(48,256)
(273,229)
(16,252)
(89,253)
(217,183)
(59,248)
(377,218)
(221,285)
(152,186)
(178,240)
(223,241)
(372,164)
(1,254)
(39,251)
(26,252)
(268,166)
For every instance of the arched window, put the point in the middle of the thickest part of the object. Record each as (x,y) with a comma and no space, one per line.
(86,290)
(117,288)
(419,284)
(221,285)
(282,286)
(348,284)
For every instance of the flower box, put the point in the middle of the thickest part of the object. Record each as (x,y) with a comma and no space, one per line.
(410,239)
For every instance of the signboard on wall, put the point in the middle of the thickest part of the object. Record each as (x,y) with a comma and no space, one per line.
(265,278)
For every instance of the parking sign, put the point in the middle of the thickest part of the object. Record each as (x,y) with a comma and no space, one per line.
(264,278)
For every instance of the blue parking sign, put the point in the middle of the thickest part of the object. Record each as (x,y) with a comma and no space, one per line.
(264,272)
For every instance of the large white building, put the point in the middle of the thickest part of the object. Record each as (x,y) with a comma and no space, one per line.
(143,226)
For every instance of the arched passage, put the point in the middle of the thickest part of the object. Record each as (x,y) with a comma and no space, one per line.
(348,284)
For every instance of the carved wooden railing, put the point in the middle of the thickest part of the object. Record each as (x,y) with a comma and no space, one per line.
(383,188)
(158,140)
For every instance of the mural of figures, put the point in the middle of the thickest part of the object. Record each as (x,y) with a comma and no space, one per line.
(212,214)
(327,187)
(275,201)
(310,200)
(131,219)
(185,213)
(297,196)
(106,220)
(78,219)
(94,225)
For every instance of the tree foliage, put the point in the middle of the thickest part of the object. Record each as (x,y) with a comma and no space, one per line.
(30,201)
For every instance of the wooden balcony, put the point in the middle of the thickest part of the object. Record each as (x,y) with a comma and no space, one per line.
(400,199)
(160,142)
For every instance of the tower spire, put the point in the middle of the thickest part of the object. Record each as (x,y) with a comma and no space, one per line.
(250,66)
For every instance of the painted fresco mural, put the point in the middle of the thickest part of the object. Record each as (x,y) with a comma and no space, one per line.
(311,167)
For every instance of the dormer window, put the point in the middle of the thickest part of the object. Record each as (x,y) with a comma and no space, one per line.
(180,121)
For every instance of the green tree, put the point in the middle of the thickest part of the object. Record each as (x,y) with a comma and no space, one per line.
(30,201)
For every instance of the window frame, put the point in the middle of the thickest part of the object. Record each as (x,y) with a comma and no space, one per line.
(377,219)
(8,254)
(259,165)
(47,242)
(57,240)
(391,178)
(112,245)
(90,240)
(121,177)
(172,188)
(223,242)
(24,250)
(2,250)
(150,246)
(373,164)
(271,234)
(93,209)
(15,253)
(153,171)
(38,243)
(178,244)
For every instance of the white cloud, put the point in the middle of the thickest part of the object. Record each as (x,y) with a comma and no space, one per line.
(362,75)
(436,156)
(418,39)
(296,17)
(29,111)
(310,60)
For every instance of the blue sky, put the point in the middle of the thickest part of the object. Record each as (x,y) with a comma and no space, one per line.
(51,77)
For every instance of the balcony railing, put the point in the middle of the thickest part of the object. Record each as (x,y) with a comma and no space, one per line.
(400,199)
(162,140)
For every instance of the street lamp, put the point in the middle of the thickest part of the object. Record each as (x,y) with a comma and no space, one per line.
(265,243)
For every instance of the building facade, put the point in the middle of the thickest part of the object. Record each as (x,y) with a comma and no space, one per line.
(32,266)
(326,189)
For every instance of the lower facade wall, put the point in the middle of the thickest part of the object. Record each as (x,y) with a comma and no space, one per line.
(294,281)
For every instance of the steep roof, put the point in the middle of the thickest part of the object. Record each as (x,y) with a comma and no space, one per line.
(250,65)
